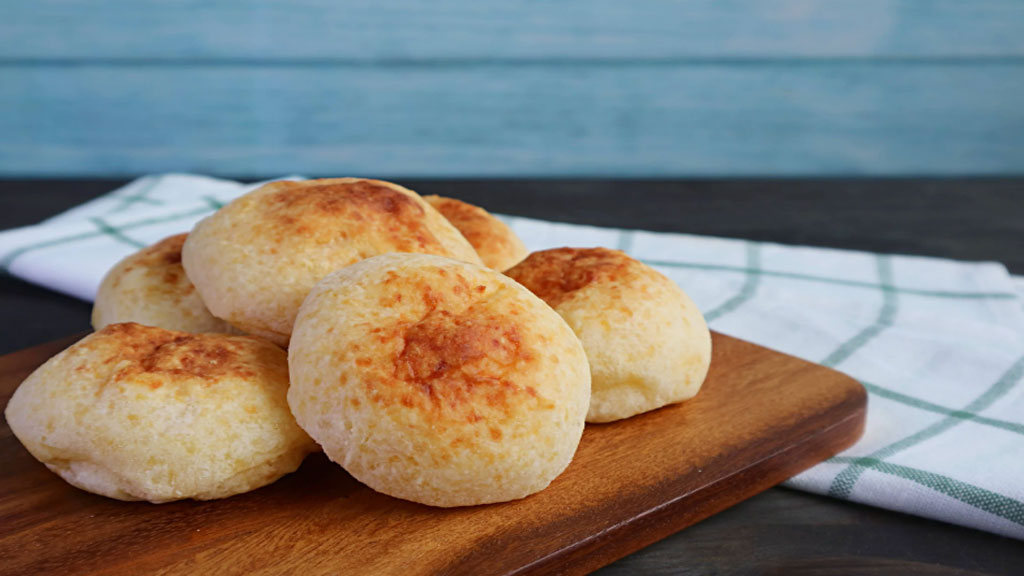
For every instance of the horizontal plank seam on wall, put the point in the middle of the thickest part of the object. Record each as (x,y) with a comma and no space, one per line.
(459,28)
(539,120)
(504,62)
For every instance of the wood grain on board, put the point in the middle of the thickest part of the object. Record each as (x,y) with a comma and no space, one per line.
(761,417)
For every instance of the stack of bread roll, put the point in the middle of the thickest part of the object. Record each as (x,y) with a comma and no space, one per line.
(412,339)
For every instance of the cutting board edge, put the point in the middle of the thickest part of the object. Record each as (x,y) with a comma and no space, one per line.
(665,520)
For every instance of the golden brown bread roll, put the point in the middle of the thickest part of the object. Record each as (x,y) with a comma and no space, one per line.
(438,381)
(140,413)
(647,342)
(496,243)
(150,287)
(254,260)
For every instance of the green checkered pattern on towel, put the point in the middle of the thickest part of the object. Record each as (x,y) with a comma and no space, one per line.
(939,345)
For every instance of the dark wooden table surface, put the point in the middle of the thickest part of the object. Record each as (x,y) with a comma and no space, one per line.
(780,531)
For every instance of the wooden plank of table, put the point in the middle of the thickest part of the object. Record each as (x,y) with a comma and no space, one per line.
(778,531)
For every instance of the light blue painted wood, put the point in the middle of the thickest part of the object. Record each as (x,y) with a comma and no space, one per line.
(452,87)
(368,30)
(481,119)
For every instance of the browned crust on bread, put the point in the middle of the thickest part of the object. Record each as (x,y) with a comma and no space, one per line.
(138,354)
(438,381)
(312,210)
(166,252)
(442,359)
(456,362)
(555,275)
(495,242)
(475,223)
(161,261)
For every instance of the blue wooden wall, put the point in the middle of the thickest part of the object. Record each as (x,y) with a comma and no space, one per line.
(542,88)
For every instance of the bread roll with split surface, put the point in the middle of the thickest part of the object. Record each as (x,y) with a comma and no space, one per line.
(498,246)
(647,343)
(140,413)
(255,259)
(150,287)
(438,381)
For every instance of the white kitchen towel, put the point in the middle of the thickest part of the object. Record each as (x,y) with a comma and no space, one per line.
(938,344)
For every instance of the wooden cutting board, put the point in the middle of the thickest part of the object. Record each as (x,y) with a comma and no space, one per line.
(761,417)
